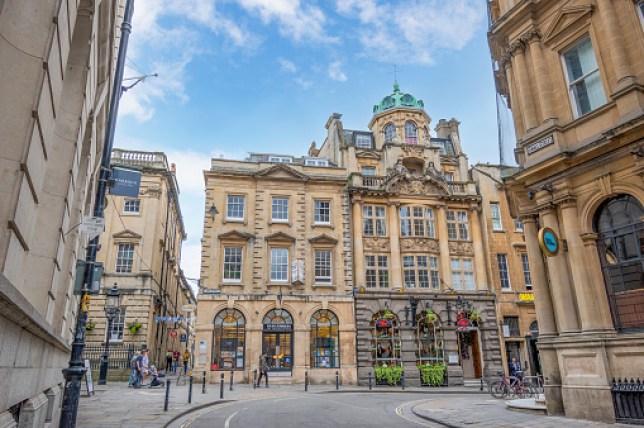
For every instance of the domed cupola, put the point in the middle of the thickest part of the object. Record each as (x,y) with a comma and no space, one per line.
(398,99)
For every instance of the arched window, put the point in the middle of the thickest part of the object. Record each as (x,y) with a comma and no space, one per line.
(619,223)
(534,328)
(390,133)
(228,340)
(429,339)
(325,340)
(278,317)
(411,133)
(385,346)
(277,339)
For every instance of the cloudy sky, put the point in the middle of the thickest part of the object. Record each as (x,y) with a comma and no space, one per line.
(236,76)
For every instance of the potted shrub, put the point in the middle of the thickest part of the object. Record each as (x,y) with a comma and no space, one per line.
(474,317)
(431,317)
(90,326)
(388,314)
(134,327)
(432,374)
(391,375)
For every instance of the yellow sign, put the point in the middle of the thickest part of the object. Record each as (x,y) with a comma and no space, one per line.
(526,297)
(85,305)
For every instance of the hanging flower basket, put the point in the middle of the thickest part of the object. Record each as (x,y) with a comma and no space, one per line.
(90,326)
(431,317)
(388,314)
(474,317)
(134,327)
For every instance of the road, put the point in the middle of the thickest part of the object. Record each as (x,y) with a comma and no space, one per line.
(314,410)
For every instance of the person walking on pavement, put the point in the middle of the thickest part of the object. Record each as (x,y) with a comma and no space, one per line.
(140,367)
(263,369)
(133,370)
(168,361)
(186,360)
(175,363)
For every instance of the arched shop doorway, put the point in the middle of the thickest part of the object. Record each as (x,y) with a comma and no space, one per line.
(430,356)
(385,348)
(467,334)
(228,341)
(533,350)
(277,340)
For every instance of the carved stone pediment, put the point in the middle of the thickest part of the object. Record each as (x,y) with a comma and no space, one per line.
(406,184)
(419,244)
(461,248)
(376,244)
(323,239)
(282,171)
(127,234)
(235,235)
(367,154)
(566,18)
(280,237)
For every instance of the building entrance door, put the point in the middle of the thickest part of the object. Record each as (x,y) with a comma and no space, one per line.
(278,347)
(470,354)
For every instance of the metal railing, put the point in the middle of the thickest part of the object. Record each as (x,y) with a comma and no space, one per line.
(628,400)
(120,355)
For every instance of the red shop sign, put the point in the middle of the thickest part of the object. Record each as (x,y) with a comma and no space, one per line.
(173,334)
(463,323)
(383,323)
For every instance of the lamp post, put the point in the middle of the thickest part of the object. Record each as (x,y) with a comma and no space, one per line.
(112,309)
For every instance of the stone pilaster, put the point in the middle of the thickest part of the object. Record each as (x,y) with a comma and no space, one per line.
(514,103)
(479,255)
(615,42)
(523,83)
(358,248)
(596,284)
(541,76)
(394,228)
(441,223)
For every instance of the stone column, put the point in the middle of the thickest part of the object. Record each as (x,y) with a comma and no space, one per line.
(358,248)
(479,255)
(523,82)
(443,244)
(540,286)
(615,41)
(394,242)
(562,295)
(517,115)
(596,285)
(541,77)
(586,298)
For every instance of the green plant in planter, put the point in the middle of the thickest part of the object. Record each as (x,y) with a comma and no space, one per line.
(431,317)
(134,327)
(391,374)
(388,314)
(90,326)
(433,375)
(474,316)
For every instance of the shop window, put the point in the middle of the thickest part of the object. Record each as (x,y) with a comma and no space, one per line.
(377,271)
(385,345)
(619,223)
(584,80)
(374,221)
(457,226)
(228,339)
(325,340)
(417,221)
(124,258)
(429,343)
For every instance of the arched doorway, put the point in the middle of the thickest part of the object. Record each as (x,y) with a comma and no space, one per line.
(533,350)
(430,357)
(277,340)
(619,223)
(228,341)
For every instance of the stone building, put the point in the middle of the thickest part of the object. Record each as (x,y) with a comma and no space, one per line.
(141,254)
(573,72)
(276,270)
(417,245)
(509,267)
(56,62)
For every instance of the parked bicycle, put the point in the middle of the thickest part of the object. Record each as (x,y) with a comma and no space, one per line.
(510,387)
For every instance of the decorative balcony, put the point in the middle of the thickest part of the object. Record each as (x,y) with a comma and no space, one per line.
(155,160)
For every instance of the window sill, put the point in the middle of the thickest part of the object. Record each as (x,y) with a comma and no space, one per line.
(132,214)
(234,220)
(498,230)
(329,225)
(316,285)
(282,222)
(231,282)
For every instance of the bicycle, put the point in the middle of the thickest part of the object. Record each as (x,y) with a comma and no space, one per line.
(510,386)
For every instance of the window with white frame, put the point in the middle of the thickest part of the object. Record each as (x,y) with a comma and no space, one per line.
(323,267)
(368,170)
(504,272)
(279,264)
(118,325)
(316,162)
(584,80)
(235,207)
(462,273)
(496,216)
(363,141)
(124,258)
(416,271)
(526,271)
(377,271)
(417,221)
(411,133)
(322,212)
(280,159)
(280,209)
(457,226)
(518,225)
(374,221)
(433,272)
(131,206)
(232,264)
(390,133)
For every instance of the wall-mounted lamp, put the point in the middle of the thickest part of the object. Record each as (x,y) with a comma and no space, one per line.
(213,211)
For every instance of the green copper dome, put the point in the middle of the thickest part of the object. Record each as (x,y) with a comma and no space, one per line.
(398,99)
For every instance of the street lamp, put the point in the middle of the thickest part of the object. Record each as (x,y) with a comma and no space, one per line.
(112,309)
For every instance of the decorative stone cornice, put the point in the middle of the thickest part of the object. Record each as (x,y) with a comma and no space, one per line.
(323,239)
(419,244)
(589,239)
(376,244)
(461,248)
(280,237)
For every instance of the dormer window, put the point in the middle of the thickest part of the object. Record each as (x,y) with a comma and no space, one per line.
(280,159)
(316,162)
(411,133)
(390,133)
(363,141)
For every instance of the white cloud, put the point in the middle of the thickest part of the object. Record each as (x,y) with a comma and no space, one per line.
(296,21)
(336,73)
(287,66)
(413,31)
(304,83)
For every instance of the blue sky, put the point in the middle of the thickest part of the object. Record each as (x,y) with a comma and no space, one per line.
(237,76)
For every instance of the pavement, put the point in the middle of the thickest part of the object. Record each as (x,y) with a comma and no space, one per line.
(116,405)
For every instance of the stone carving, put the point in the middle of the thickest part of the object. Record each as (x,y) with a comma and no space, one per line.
(152,191)
(419,244)
(417,186)
(413,150)
(461,248)
(376,244)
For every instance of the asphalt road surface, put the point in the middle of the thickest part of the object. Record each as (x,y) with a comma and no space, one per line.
(312,410)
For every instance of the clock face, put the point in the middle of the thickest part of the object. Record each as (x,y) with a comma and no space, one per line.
(549,242)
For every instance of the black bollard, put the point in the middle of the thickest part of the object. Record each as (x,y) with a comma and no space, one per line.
(221,387)
(190,391)
(167,395)
(369,381)
(337,380)
(306,380)
(254,378)
(232,374)
(402,380)
(203,385)
(481,384)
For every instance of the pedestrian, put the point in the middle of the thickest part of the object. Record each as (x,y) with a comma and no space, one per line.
(263,369)
(186,360)
(515,368)
(133,370)
(168,361)
(175,360)
(140,368)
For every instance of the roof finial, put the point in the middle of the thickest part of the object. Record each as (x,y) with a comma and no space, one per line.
(396,71)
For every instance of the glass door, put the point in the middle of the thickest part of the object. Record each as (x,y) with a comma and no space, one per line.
(279,348)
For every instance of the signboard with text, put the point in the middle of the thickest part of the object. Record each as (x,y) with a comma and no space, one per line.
(126,182)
